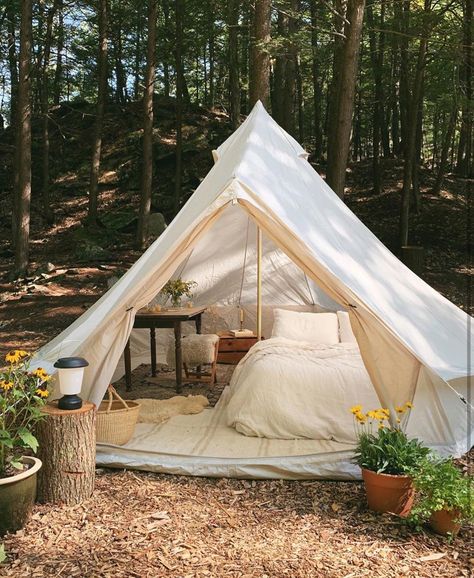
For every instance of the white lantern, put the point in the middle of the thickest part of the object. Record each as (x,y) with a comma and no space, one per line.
(70,375)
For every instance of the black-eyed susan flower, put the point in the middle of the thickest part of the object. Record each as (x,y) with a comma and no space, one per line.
(44,393)
(15,355)
(6,385)
(356,409)
(409,405)
(41,374)
(400,409)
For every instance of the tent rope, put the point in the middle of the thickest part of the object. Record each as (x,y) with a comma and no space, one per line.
(245,261)
(309,288)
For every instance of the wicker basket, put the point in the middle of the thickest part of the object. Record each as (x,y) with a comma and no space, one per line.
(116,419)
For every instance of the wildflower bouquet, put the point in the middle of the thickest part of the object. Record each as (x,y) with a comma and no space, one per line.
(384,448)
(176,288)
(22,395)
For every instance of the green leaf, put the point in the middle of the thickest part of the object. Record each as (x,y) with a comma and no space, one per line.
(28,438)
(16,464)
(3,554)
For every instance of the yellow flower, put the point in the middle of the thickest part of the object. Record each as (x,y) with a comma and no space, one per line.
(409,405)
(42,392)
(356,409)
(41,374)
(398,420)
(381,426)
(372,414)
(360,417)
(6,385)
(399,409)
(385,411)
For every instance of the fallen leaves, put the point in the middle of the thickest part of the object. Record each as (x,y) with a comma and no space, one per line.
(145,525)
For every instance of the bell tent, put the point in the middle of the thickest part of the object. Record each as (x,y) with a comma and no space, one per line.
(317,256)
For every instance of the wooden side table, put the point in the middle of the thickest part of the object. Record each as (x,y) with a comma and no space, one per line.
(167,318)
(232,349)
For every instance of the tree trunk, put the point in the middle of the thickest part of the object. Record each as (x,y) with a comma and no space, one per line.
(259,81)
(377,59)
(147,174)
(179,103)
(23,192)
(300,99)
(289,100)
(137,59)
(58,74)
(279,69)
(99,120)
(67,450)
(337,163)
(212,57)
(411,133)
(166,49)
(234,81)
(340,8)
(443,161)
(44,90)
(317,81)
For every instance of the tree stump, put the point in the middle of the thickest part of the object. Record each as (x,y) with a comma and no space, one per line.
(67,450)
(414,258)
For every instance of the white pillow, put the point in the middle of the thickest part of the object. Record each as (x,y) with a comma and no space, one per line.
(346,335)
(311,327)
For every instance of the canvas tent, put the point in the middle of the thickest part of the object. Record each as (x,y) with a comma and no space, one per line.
(317,254)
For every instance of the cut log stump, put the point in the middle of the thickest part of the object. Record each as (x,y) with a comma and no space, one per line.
(67,450)
(414,258)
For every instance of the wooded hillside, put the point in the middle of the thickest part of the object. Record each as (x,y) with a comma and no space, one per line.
(117,104)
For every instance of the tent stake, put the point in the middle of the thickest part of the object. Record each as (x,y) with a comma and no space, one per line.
(259,283)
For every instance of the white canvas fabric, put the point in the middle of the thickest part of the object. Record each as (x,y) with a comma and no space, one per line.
(318,255)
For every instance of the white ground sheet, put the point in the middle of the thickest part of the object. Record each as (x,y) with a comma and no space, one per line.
(203,445)
(287,389)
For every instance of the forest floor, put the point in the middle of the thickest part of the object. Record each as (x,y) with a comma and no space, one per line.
(147,525)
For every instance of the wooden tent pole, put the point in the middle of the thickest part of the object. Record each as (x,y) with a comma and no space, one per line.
(259,283)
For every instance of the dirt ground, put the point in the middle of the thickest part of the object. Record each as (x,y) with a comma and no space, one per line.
(145,525)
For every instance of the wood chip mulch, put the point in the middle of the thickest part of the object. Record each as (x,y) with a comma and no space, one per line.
(146,525)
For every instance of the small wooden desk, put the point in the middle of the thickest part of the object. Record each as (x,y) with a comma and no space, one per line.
(164,319)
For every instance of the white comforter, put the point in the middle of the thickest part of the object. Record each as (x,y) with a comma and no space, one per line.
(290,389)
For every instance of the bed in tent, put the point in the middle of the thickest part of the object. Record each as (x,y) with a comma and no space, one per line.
(316,256)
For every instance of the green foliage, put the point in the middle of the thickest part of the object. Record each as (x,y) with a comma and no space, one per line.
(22,394)
(389,451)
(176,288)
(440,485)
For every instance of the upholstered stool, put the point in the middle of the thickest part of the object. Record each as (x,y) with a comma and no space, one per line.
(197,350)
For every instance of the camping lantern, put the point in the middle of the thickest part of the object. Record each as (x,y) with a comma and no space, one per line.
(70,374)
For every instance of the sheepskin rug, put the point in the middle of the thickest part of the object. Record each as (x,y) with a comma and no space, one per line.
(160,410)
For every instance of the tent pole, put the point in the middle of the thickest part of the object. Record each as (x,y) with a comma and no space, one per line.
(259,283)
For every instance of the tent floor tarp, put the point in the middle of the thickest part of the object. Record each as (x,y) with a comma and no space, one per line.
(203,445)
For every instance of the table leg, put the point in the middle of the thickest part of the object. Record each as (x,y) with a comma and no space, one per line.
(198,323)
(178,356)
(153,351)
(128,366)
(198,331)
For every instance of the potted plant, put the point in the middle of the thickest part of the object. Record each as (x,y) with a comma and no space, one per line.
(175,289)
(387,458)
(22,395)
(443,497)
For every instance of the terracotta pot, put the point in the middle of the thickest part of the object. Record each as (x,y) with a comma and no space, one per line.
(445,522)
(17,496)
(388,493)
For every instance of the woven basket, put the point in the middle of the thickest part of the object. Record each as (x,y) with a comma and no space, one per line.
(116,419)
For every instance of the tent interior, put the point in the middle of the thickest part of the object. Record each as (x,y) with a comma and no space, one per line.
(224,264)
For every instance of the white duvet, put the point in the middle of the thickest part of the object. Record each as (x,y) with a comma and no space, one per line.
(288,389)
